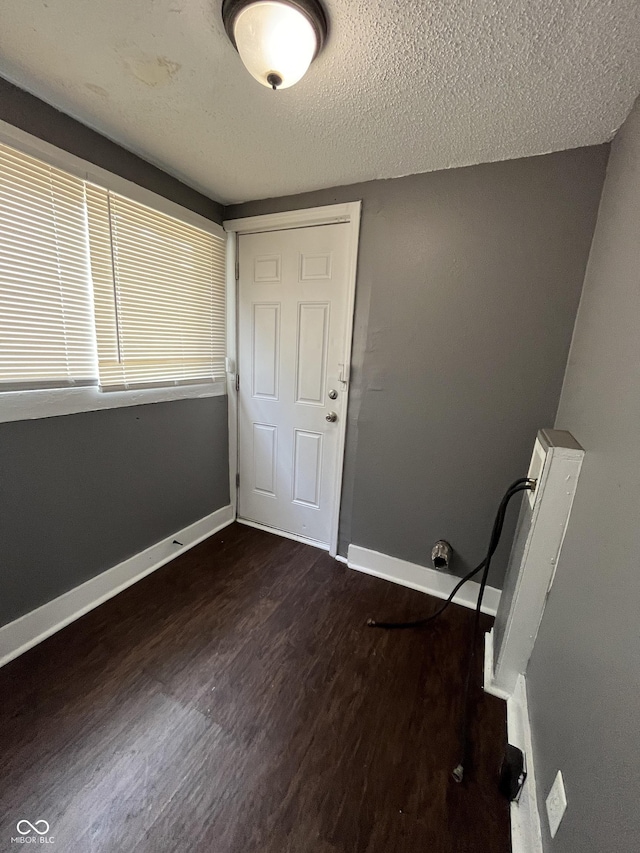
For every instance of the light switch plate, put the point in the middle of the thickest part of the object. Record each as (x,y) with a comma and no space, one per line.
(556,804)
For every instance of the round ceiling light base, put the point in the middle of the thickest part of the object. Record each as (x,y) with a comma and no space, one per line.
(277,39)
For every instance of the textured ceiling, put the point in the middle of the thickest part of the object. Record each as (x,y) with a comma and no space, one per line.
(401,87)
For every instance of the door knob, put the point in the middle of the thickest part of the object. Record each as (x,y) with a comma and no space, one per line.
(331,417)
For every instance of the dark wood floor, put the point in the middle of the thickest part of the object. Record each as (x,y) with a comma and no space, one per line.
(234,701)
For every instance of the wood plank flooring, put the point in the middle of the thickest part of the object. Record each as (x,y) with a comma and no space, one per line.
(235,701)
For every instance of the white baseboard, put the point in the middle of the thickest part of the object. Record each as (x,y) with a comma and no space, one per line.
(20,635)
(490,685)
(421,578)
(525,818)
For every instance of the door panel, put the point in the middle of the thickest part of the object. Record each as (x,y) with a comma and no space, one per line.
(311,359)
(266,268)
(265,445)
(292,330)
(307,468)
(266,350)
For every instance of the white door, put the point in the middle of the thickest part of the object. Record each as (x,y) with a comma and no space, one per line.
(293,302)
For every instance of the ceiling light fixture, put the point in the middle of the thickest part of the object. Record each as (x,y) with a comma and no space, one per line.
(277,39)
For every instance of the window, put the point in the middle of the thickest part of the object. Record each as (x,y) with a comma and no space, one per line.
(159,295)
(46,323)
(100,289)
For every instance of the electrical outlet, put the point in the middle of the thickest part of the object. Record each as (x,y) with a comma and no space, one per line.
(556,804)
(535,469)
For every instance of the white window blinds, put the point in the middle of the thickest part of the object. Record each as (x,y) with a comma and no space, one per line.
(46,323)
(159,295)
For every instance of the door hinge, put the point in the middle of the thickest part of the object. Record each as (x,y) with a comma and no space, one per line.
(237,270)
(237,381)
(237,481)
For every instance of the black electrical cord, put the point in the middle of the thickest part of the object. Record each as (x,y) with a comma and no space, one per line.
(523,484)
(516,486)
(458,771)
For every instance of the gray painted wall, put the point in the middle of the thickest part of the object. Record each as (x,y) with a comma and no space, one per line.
(468,285)
(584,675)
(80,493)
(34,116)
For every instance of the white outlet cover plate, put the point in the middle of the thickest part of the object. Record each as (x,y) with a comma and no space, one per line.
(556,804)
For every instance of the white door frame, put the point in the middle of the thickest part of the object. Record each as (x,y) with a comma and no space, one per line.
(327,215)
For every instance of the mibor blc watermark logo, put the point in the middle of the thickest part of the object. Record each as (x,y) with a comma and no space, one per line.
(32,833)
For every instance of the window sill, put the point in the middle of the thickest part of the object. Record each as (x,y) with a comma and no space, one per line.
(49,403)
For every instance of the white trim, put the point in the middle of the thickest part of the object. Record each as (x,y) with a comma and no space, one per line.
(354,210)
(341,559)
(525,819)
(327,215)
(87,171)
(489,683)
(25,632)
(284,533)
(232,355)
(536,552)
(48,403)
(421,578)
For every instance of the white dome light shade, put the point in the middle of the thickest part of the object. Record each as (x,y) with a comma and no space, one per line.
(276,42)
